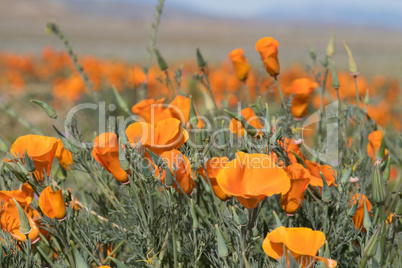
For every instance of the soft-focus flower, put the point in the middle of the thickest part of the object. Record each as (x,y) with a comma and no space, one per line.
(179,108)
(150,110)
(299,181)
(213,166)
(302,89)
(375,139)
(166,135)
(268,49)
(359,216)
(10,222)
(106,152)
(180,167)
(52,203)
(303,243)
(315,168)
(23,196)
(64,156)
(237,128)
(252,177)
(240,63)
(40,148)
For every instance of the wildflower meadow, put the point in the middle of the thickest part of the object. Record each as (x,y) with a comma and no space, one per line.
(195,164)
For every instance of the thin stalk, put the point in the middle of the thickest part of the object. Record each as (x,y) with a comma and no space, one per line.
(208,86)
(45,257)
(280,93)
(357,91)
(27,264)
(113,252)
(320,138)
(174,245)
(170,84)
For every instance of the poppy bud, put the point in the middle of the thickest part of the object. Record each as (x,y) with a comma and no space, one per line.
(29,163)
(161,61)
(200,60)
(239,216)
(25,227)
(331,45)
(155,158)
(353,209)
(367,97)
(387,170)
(371,247)
(326,192)
(223,251)
(352,64)
(168,177)
(240,63)
(366,218)
(335,80)
(398,209)
(193,215)
(23,170)
(46,107)
(249,128)
(52,203)
(268,49)
(3,146)
(378,186)
(313,55)
(124,164)
(381,150)
(278,222)
(346,175)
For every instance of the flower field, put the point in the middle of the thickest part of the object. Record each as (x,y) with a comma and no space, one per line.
(192,164)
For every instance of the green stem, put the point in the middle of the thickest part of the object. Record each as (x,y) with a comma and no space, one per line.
(45,257)
(113,252)
(84,247)
(357,91)
(174,245)
(208,86)
(320,138)
(280,93)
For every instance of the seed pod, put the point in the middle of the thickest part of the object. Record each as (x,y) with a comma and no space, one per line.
(168,177)
(46,107)
(25,228)
(378,186)
(313,55)
(155,158)
(223,251)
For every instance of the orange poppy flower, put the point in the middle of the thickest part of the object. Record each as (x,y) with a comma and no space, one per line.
(213,166)
(10,222)
(303,243)
(149,110)
(252,177)
(302,89)
(359,216)
(240,63)
(268,49)
(375,139)
(237,128)
(52,203)
(182,173)
(290,145)
(106,152)
(299,181)
(179,108)
(64,156)
(40,148)
(166,135)
(315,168)
(23,196)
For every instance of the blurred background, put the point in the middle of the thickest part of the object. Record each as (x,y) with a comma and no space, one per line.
(120,29)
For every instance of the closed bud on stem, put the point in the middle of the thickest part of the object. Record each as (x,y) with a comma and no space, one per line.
(354,70)
(193,215)
(366,218)
(313,55)
(335,80)
(146,169)
(46,107)
(326,192)
(346,175)
(331,45)
(239,216)
(3,146)
(299,159)
(387,170)
(275,136)
(23,170)
(25,228)
(168,177)
(155,158)
(29,163)
(378,186)
(223,251)
(249,128)
(371,247)
(200,60)
(381,150)
(161,61)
